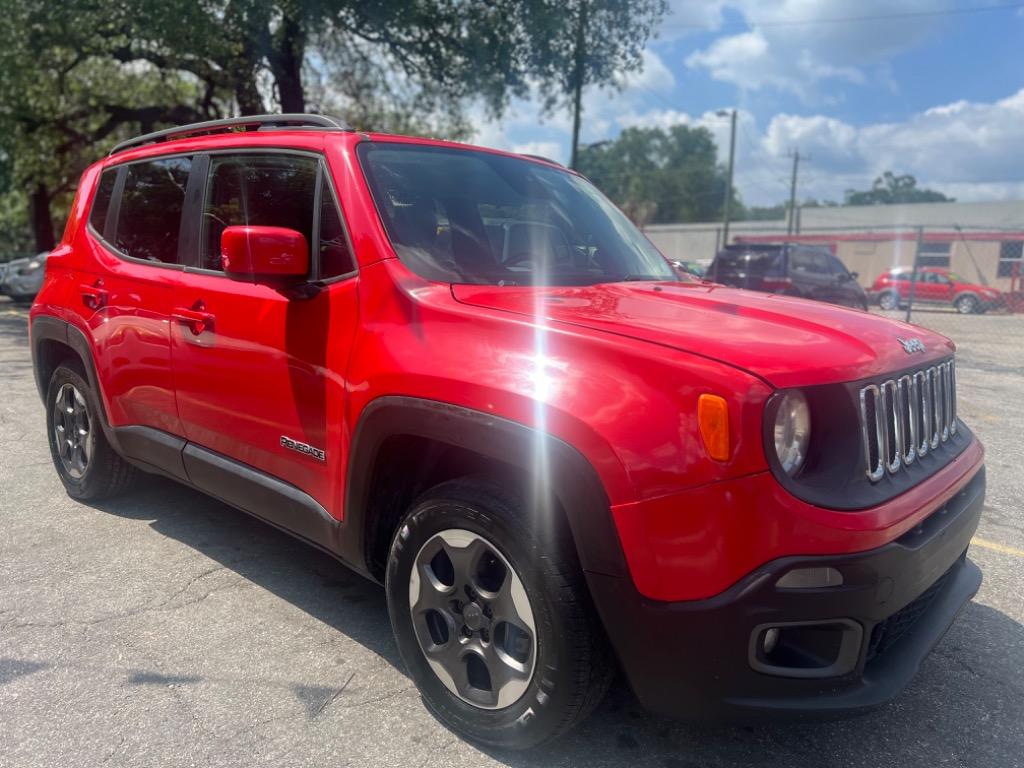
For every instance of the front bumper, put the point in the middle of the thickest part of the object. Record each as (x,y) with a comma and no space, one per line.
(697,658)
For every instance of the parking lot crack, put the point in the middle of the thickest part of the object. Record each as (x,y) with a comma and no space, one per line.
(333,698)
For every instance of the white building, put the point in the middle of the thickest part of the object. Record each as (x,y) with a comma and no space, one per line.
(982,241)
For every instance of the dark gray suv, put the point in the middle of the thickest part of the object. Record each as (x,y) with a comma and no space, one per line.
(795,270)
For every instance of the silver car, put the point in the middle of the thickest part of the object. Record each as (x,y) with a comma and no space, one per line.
(21,279)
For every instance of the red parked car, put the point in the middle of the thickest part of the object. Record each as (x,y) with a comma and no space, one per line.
(466,375)
(934,285)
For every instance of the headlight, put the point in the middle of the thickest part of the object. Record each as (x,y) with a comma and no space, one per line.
(31,267)
(792,431)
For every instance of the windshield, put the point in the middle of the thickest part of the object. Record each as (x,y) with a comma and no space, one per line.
(458,215)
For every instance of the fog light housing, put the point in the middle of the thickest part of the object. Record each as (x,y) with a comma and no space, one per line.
(806,649)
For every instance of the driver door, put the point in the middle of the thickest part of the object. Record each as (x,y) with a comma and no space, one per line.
(264,370)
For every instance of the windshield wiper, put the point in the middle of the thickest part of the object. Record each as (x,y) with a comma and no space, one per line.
(633,278)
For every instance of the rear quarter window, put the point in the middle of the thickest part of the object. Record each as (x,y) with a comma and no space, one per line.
(101,201)
(149,216)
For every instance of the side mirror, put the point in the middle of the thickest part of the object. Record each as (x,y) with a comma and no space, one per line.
(854,275)
(275,255)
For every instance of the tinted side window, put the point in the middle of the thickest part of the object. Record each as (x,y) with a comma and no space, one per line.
(810,262)
(801,261)
(257,190)
(335,255)
(101,202)
(837,267)
(150,212)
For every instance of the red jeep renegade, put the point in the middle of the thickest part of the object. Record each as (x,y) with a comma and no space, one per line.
(466,375)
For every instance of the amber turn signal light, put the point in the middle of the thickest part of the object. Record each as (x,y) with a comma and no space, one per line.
(713,418)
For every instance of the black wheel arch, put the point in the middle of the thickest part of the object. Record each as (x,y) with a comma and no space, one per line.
(371,516)
(55,341)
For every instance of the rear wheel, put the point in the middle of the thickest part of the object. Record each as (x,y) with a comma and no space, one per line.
(86,463)
(492,617)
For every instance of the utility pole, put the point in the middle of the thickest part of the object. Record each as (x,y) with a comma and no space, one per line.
(913,272)
(792,194)
(727,202)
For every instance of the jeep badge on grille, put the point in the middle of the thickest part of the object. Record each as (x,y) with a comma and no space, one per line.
(911,346)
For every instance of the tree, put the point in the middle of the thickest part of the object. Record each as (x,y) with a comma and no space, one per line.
(889,189)
(659,176)
(77,75)
(580,43)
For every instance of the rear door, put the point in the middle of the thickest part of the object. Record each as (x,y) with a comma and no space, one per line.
(264,373)
(812,274)
(134,232)
(932,288)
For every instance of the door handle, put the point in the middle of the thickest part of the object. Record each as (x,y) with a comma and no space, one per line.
(94,296)
(196,318)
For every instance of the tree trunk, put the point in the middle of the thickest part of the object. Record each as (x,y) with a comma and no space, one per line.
(40,217)
(286,65)
(579,57)
(247,94)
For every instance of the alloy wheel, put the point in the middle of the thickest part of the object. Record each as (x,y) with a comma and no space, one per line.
(473,619)
(966,305)
(72,430)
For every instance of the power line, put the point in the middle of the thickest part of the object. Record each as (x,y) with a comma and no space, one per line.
(848,19)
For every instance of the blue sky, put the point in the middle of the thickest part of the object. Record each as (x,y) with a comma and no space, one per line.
(930,90)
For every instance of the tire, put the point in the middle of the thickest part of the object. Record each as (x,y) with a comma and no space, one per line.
(967,304)
(889,301)
(86,463)
(563,670)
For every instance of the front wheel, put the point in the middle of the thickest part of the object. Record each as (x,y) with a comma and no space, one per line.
(492,617)
(967,305)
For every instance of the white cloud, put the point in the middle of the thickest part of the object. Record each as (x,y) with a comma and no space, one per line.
(968,150)
(653,75)
(799,45)
(654,118)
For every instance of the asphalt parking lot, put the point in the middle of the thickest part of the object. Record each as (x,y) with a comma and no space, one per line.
(164,628)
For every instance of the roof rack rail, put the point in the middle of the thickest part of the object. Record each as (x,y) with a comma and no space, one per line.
(256,122)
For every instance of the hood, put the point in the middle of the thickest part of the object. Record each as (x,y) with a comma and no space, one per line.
(785,341)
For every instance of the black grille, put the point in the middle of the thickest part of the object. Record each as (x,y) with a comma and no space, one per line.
(889,631)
